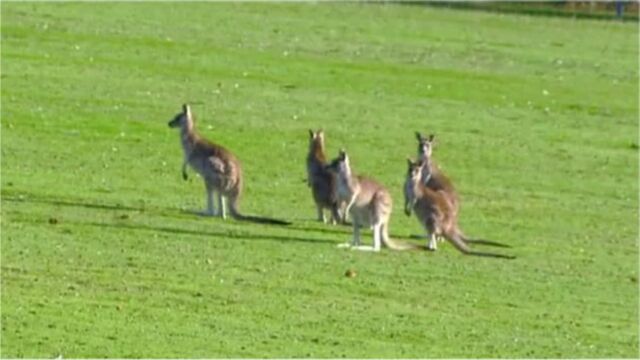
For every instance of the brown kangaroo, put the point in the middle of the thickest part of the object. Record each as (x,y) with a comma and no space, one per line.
(219,168)
(435,212)
(322,181)
(368,203)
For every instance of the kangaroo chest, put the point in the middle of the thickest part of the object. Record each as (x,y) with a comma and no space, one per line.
(343,190)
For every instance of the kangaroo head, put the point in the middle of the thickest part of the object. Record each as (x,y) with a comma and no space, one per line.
(182,118)
(425,145)
(419,171)
(316,134)
(340,165)
(316,138)
(414,171)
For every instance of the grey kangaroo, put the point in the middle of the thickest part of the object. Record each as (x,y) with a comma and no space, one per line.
(434,211)
(321,180)
(368,203)
(437,180)
(219,168)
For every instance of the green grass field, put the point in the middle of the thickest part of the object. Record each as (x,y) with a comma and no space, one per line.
(537,121)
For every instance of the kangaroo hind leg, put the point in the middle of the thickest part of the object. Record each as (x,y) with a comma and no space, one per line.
(355,240)
(432,244)
(377,240)
(336,218)
(321,216)
(210,210)
(221,204)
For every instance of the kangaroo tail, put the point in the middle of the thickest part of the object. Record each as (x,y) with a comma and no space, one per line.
(394,244)
(460,243)
(233,209)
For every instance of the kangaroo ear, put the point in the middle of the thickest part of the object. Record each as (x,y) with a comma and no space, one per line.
(342,154)
(311,134)
(431,137)
(409,161)
(186,109)
(419,136)
(320,132)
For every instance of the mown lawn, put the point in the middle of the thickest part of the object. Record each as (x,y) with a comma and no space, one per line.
(537,122)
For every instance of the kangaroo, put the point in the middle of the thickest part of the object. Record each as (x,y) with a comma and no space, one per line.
(219,168)
(434,211)
(368,203)
(322,181)
(438,180)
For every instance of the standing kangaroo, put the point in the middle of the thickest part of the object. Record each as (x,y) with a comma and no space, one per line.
(219,168)
(438,180)
(321,180)
(368,203)
(434,211)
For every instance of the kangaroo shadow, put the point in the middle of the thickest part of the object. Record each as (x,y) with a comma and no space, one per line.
(470,241)
(31,198)
(329,229)
(488,243)
(343,229)
(346,229)
(255,219)
(180,231)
